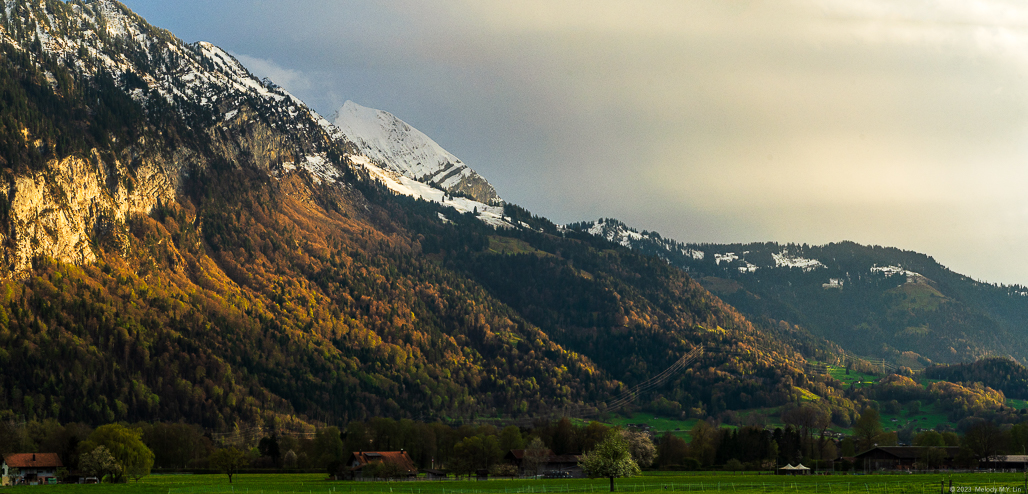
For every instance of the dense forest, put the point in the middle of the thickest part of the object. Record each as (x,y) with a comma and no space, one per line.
(218,284)
(1002,374)
(872,301)
(256,294)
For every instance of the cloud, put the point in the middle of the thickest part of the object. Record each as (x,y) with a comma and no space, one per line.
(892,123)
(292,80)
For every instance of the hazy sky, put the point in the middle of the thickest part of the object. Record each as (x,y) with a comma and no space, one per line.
(893,123)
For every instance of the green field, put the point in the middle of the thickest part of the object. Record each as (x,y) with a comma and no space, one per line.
(655,482)
(1018,404)
(839,374)
(927,418)
(658,425)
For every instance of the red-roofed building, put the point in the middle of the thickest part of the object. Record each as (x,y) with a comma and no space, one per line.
(394,464)
(30,468)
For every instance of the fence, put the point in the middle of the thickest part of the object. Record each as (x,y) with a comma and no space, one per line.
(912,487)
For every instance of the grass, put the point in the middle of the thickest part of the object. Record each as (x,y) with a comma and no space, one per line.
(742,482)
(839,374)
(1018,404)
(916,296)
(512,246)
(658,425)
(927,418)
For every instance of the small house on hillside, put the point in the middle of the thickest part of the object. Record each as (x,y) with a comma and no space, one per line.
(30,468)
(378,464)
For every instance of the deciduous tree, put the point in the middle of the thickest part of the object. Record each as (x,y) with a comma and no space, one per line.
(228,460)
(612,458)
(125,445)
(867,429)
(99,462)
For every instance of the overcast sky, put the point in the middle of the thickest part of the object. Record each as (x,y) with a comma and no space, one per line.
(893,123)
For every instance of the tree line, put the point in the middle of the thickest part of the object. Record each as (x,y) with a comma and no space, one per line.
(124,451)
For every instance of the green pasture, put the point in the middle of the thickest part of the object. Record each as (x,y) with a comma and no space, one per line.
(839,374)
(749,482)
(659,425)
(927,418)
(1018,404)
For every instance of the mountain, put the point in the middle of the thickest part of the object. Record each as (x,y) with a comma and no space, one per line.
(182,241)
(873,301)
(396,146)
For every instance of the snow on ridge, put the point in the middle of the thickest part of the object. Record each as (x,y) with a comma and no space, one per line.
(912,277)
(727,257)
(402,184)
(394,144)
(748,268)
(615,233)
(783,259)
(118,24)
(695,254)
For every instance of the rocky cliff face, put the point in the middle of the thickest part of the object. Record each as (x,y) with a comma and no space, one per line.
(68,205)
(61,211)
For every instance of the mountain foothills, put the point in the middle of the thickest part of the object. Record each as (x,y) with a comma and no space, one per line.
(884,303)
(184,242)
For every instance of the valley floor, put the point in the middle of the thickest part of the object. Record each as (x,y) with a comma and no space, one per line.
(749,482)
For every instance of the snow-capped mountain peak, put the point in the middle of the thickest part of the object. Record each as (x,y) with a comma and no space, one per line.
(395,145)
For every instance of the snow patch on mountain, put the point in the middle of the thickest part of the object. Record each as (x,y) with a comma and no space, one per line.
(747,267)
(912,277)
(320,168)
(615,233)
(784,260)
(393,144)
(727,257)
(402,184)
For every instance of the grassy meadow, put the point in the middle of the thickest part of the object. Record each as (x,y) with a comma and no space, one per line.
(748,482)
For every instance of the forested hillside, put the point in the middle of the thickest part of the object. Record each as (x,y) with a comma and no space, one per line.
(184,242)
(873,301)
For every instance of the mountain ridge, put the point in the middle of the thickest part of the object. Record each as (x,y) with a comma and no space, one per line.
(916,302)
(395,145)
(224,259)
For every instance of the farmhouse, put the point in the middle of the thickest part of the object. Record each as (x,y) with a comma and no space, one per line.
(548,464)
(30,468)
(902,457)
(378,464)
(1006,462)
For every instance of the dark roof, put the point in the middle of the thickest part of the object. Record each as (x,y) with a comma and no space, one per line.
(563,459)
(908,452)
(400,458)
(33,460)
(519,454)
